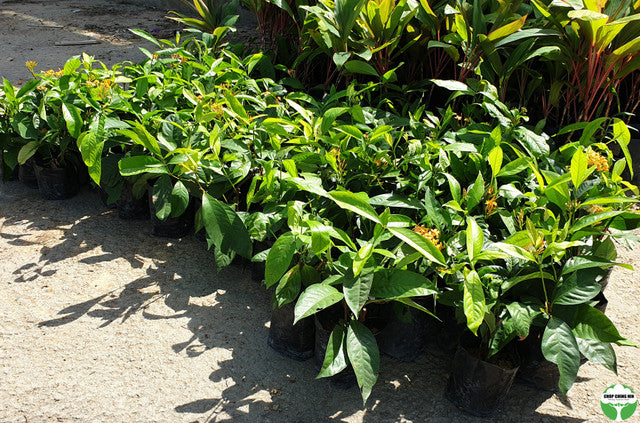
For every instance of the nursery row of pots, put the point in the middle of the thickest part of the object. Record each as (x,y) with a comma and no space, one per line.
(351,206)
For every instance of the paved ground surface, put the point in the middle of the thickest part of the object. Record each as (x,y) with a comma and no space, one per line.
(101,322)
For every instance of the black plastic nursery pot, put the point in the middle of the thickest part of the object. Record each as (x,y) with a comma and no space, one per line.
(57,183)
(476,386)
(403,335)
(171,227)
(535,371)
(293,341)
(131,208)
(27,175)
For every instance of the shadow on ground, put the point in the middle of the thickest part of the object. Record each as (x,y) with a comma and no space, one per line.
(181,273)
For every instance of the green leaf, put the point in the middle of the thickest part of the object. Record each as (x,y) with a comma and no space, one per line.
(27,151)
(339,58)
(451,85)
(355,202)
(361,258)
(225,228)
(475,239)
(599,353)
(179,199)
(72,118)
(364,356)
(236,106)
(289,286)
(591,323)
(579,168)
(420,244)
(475,193)
(136,165)
(474,301)
(315,298)
(146,36)
(358,66)
(401,284)
(495,160)
(279,258)
(522,316)
(560,346)
(335,357)
(162,197)
(592,219)
(572,290)
(356,289)
(396,200)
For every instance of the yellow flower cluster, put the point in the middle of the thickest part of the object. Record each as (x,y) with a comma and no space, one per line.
(598,160)
(490,205)
(432,235)
(592,209)
(101,89)
(57,73)
(30,64)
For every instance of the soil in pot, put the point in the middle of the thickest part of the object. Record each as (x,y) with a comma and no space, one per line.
(476,386)
(132,208)
(404,333)
(293,341)
(27,175)
(325,321)
(57,183)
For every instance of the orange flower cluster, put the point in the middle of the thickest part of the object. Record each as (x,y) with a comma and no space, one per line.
(592,209)
(490,205)
(432,235)
(57,73)
(598,160)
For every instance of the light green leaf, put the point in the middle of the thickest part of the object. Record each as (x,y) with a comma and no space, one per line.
(420,244)
(72,118)
(475,239)
(579,168)
(474,301)
(355,202)
(136,165)
(315,298)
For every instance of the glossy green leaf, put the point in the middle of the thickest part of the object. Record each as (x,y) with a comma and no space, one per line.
(356,289)
(289,286)
(364,356)
(161,195)
(73,119)
(315,298)
(355,202)
(560,346)
(474,301)
(27,151)
(279,258)
(573,290)
(135,165)
(420,244)
(335,357)
(495,160)
(225,228)
(360,67)
(591,323)
(401,284)
(579,168)
(592,219)
(599,353)
(475,238)
(179,199)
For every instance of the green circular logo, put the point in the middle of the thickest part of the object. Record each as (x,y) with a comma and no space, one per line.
(618,402)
